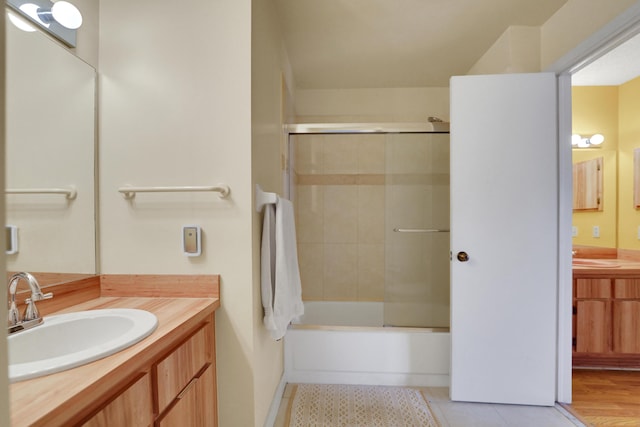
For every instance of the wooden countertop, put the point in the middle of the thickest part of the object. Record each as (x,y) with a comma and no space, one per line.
(54,399)
(627,269)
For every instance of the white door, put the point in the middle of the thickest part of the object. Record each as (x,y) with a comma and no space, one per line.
(504,216)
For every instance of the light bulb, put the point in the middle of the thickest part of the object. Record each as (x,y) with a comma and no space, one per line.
(32,10)
(575,139)
(584,143)
(596,139)
(67,14)
(20,23)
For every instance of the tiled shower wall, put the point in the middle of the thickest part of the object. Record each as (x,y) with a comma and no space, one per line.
(340,206)
(347,248)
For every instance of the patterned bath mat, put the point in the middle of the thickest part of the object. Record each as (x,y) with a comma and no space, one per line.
(329,405)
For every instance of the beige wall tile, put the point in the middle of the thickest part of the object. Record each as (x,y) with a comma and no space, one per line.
(311,261)
(371,272)
(407,153)
(340,154)
(405,206)
(308,156)
(371,214)
(310,213)
(341,272)
(341,214)
(371,154)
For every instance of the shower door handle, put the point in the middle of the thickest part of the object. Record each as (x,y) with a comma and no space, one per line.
(462,256)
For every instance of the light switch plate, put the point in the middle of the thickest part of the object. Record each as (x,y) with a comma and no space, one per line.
(191,240)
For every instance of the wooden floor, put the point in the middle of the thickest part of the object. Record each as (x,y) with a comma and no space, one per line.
(606,398)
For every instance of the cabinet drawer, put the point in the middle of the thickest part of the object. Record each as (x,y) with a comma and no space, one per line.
(627,289)
(593,288)
(196,404)
(132,408)
(176,370)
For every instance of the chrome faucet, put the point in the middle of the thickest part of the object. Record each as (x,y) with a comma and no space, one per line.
(31,316)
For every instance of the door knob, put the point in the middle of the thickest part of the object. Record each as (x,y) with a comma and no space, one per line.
(462,257)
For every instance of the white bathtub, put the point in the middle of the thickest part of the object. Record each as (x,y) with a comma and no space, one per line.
(345,343)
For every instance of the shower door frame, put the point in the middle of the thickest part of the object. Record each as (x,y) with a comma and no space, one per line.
(430,127)
(350,128)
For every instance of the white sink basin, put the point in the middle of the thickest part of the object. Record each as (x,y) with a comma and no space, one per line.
(66,341)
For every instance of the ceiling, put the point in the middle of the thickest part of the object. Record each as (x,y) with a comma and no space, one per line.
(614,68)
(396,43)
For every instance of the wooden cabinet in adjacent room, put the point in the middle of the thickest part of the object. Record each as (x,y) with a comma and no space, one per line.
(606,322)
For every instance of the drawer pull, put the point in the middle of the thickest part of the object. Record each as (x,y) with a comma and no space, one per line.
(188,386)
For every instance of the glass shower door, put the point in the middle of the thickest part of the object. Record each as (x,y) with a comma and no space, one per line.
(416,292)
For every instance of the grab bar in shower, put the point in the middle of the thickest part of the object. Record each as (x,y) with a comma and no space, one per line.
(419,230)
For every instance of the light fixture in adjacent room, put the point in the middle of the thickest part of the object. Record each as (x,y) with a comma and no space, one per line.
(579,141)
(61,19)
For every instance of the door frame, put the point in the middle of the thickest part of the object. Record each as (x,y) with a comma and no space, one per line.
(612,35)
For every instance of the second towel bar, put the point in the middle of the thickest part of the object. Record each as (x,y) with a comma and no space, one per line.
(130,192)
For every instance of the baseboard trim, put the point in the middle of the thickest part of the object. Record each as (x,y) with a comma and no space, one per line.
(275,403)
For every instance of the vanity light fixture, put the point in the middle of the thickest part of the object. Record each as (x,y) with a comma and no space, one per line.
(60,19)
(578,141)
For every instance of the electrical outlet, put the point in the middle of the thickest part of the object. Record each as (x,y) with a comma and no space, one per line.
(574,231)
(596,231)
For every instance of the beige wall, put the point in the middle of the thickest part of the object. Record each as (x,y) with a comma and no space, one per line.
(530,49)
(573,23)
(175,96)
(270,78)
(372,105)
(517,50)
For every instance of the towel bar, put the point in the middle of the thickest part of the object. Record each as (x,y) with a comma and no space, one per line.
(129,192)
(264,198)
(70,192)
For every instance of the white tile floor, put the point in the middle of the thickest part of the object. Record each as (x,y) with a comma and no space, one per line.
(459,414)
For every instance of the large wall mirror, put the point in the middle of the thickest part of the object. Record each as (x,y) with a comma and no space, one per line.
(50,145)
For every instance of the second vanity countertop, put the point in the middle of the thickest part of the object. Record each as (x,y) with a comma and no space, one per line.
(625,269)
(53,399)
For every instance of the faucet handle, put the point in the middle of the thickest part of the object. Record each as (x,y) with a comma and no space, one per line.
(39,296)
(13,317)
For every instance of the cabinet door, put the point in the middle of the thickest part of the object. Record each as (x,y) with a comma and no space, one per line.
(196,404)
(593,288)
(593,326)
(177,369)
(626,327)
(132,408)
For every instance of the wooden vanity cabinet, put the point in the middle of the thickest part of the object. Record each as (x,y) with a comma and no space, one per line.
(177,389)
(606,322)
(592,315)
(186,383)
(132,407)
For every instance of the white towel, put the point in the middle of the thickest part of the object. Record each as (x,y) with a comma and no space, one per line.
(280,275)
